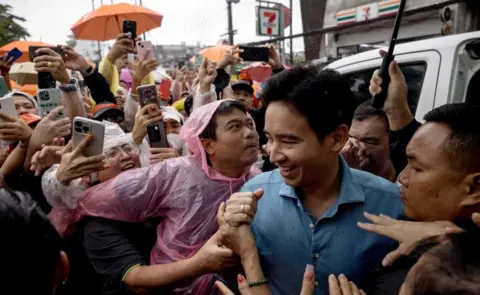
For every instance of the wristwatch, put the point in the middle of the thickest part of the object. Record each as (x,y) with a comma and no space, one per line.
(70,87)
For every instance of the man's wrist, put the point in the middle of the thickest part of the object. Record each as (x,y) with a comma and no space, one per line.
(399,118)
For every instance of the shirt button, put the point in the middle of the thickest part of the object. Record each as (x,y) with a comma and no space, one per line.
(316,284)
(312,225)
(316,256)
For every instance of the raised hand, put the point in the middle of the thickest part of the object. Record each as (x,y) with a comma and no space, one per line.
(14,129)
(5,64)
(74,60)
(123,45)
(143,67)
(241,207)
(48,129)
(47,156)
(158,155)
(74,164)
(147,115)
(51,62)
(206,75)
(273,57)
(230,58)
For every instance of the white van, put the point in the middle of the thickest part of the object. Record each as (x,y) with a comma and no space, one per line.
(438,71)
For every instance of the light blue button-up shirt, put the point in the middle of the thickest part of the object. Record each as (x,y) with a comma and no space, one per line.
(288,237)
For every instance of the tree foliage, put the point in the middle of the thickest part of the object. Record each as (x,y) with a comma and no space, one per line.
(10,29)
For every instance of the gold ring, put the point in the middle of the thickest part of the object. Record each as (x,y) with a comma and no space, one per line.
(49,64)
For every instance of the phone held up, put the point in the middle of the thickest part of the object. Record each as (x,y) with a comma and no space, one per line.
(15,53)
(48,100)
(45,80)
(7,107)
(145,50)
(249,53)
(130,26)
(82,127)
(157,135)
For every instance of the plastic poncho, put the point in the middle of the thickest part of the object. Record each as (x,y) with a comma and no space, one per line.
(186,192)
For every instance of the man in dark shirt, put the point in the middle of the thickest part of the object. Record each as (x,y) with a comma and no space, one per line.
(442,179)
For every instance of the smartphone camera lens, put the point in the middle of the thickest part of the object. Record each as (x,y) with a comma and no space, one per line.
(78,124)
(78,129)
(85,129)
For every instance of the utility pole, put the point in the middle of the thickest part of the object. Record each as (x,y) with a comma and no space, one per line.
(144,38)
(230,20)
(291,32)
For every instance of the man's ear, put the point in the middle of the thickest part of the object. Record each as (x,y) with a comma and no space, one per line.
(339,137)
(208,146)
(473,191)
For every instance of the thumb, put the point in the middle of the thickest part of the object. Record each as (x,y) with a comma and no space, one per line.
(258,194)
(308,284)
(395,72)
(243,285)
(476,218)
(205,63)
(393,256)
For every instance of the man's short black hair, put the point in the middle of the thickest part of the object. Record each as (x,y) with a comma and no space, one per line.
(366,110)
(453,268)
(29,247)
(227,107)
(322,96)
(463,144)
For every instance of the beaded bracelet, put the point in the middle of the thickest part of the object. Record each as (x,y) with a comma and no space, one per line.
(257,283)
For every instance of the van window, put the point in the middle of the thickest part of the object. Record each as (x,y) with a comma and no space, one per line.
(414,75)
(473,91)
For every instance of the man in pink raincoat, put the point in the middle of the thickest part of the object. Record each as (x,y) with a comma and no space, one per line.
(186,192)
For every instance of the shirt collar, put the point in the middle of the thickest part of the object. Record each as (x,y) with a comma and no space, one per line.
(350,192)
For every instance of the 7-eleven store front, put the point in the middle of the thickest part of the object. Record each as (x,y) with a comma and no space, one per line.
(344,42)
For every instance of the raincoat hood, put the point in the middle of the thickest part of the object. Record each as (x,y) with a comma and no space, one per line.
(27,96)
(190,133)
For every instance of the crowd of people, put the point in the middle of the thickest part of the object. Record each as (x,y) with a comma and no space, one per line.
(303,193)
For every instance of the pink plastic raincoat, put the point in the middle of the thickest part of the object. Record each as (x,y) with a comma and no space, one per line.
(185,191)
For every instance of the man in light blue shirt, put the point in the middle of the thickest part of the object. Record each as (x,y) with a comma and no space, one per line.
(311,205)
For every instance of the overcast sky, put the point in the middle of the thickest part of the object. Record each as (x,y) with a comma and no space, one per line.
(190,21)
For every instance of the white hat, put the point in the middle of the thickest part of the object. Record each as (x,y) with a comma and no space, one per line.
(171,113)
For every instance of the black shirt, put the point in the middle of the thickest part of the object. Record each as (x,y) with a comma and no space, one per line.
(398,145)
(114,247)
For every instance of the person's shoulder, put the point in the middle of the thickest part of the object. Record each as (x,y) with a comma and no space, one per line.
(264,180)
(373,185)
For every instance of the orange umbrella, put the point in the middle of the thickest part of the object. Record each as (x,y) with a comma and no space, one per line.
(27,88)
(258,71)
(23,47)
(215,53)
(106,22)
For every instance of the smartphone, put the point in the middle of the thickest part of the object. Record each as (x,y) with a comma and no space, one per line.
(81,128)
(3,87)
(130,26)
(254,53)
(48,100)
(44,80)
(181,64)
(165,87)
(7,107)
(147,94)
(15,53)
(379,99)
(145,50)
(157,135)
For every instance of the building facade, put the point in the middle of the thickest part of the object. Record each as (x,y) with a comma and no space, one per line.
(358,25)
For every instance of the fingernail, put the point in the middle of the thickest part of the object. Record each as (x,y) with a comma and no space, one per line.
(240,279)
(342,276)
(331,277)
(309,274)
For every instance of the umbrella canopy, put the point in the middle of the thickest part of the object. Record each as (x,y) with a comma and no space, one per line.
(258,71)
(23,47)
(106,22)
(24,73)
(27,88)
(215,53)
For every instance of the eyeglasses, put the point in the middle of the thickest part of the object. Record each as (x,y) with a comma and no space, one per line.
(115,152)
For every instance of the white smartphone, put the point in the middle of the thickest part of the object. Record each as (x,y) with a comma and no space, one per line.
(81,128)
(3,87)
(48,100)
(7,107)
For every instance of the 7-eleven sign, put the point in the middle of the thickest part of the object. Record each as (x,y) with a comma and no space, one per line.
(269,22)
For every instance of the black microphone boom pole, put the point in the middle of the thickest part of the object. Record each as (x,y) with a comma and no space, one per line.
(379,99)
